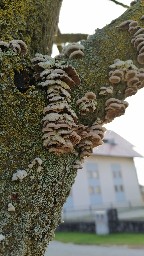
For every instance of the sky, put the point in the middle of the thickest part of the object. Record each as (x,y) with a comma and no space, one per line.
(84,16)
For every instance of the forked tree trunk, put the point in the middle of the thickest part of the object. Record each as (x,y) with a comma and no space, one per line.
(31,207)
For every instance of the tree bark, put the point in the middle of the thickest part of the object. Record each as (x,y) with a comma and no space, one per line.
(39,197)
(35,22)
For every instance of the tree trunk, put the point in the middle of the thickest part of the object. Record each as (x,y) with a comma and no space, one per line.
(31,204)
(35,22)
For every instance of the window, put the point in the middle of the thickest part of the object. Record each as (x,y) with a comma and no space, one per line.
(92,170)
(94,190)
(97,190)
(117,174)
(118,182)
(116,170)
(119,188)
(93,174)
(91,190)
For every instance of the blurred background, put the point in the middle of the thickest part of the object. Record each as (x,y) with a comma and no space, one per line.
(106,203)
(80,16)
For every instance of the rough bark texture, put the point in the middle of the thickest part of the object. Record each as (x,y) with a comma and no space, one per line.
(39,198)
(35,22)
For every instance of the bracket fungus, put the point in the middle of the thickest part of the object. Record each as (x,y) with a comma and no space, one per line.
(59,121)
(106,90)
(114,108)
(87,103)
(19,175)
(77,164)
(17,46)
(73,50)
(116,76)
(138,37)
(11,207)
(90,137)
(129,74)
(4,46)
(125,24)
(134,77)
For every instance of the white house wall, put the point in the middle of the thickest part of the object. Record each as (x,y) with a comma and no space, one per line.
(132,188)
(132,196)
(80,190)
(105,173)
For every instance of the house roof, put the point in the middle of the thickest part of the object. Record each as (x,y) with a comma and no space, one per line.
(115,145)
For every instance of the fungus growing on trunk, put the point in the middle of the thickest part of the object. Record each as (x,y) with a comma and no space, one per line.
(125,24)
(138,37)
(59,121)
(74,50)
(4,46)
(129,74)
(114,108)
(19,175)
(18,46)
(37,162)
(2,237)
(11,207)
(90,137)
(87,103)
(106,90)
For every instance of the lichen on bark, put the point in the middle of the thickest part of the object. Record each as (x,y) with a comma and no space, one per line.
(39,197)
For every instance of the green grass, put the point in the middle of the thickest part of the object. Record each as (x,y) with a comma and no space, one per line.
(93,239)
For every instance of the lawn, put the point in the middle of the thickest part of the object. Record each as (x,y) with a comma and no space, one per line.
(93,239)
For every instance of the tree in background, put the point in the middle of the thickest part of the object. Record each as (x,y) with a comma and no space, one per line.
(53,111)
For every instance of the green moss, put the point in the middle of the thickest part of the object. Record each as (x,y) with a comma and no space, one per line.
(38,199)
(35,22)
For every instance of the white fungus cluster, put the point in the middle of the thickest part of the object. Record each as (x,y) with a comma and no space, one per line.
(124,65)
(2,237)
(73,50)
(127,73)
(87,103)
(37,162)
(106,90)
(90,137)
(19,175)
(18,46)
(11,207)
(41,62)
(59,121)
(114,108)
(78,164)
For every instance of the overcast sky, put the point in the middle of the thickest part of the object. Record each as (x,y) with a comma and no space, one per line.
(85,16)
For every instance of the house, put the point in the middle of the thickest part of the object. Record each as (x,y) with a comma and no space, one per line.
(142,191)
(108,179)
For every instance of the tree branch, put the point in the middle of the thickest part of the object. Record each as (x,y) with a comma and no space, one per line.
(69,38)
(60,38)
(119,3)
